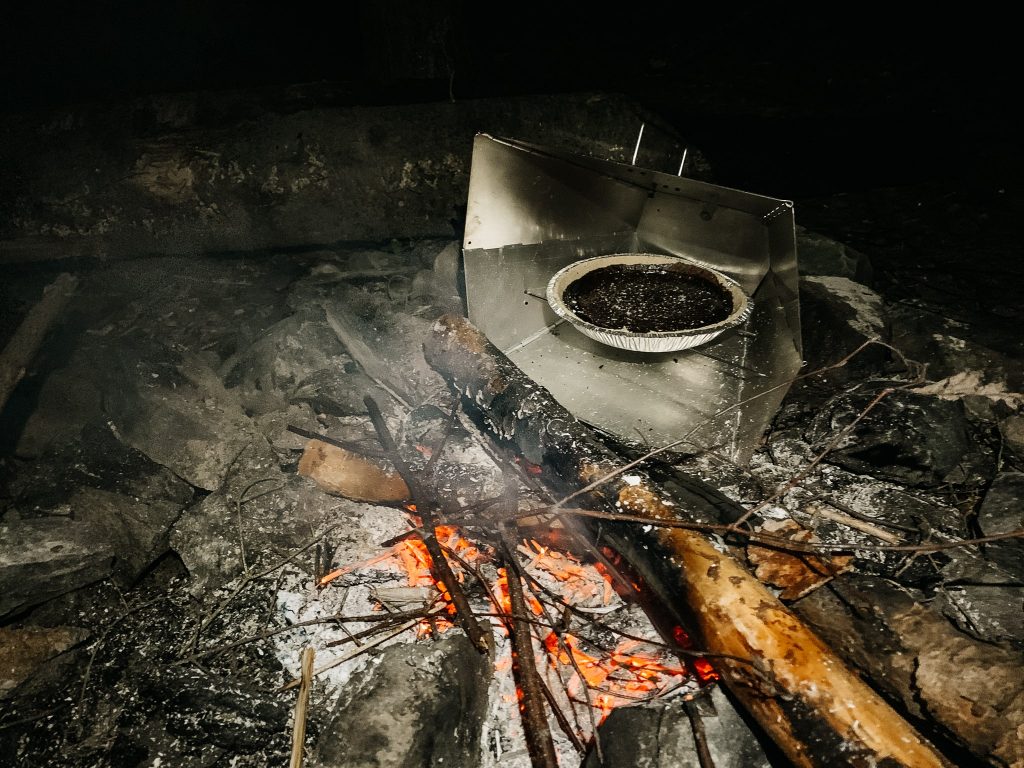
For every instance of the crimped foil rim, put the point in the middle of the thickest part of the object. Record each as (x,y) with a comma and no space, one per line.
(742,306)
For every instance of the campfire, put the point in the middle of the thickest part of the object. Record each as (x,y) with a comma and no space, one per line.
(374,527)
(591,651)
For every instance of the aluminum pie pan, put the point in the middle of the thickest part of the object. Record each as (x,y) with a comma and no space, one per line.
(655,341)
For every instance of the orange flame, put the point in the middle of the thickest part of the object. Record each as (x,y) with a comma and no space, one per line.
(606,679)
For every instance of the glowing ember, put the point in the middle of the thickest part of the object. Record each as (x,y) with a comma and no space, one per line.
(580,584)
(633,671)
(501,597)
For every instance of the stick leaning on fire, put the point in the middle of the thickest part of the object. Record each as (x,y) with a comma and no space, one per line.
(802,694)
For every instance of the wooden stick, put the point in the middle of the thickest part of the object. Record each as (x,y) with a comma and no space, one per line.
(524,666)
(365,357)
(301,705)
(426,508)
(23,346)
(796,687)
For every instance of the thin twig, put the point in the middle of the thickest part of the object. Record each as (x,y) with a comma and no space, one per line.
(700,738)
(856,524)
(775,542)
(346,445)
(449,430)
(268,633)
(561,719)
(365,358)
(99,642)
(32,718)
(238,512)
(795,479)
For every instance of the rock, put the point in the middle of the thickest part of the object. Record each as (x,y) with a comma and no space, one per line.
(223,711)
(1012,430)
(659,735)
(95,459)
(837,315)
(68,400)
(257,175)
(1003,508)
(947,348)
(277,514)
(337,393)
(982,591)
(43,558)
(274,427)
(822,256)
(443,285)
(297,349)
(984,400)
(392,341)
(189,430)
(138,531)
(908,438)
(24,650)
(990,611)
(417,706)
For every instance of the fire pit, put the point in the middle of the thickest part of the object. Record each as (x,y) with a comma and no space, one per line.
(331,518)
(645,302)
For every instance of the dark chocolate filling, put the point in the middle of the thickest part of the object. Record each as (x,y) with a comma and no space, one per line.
(646,298)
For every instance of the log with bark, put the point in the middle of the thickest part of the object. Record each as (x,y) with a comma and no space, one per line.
(803,695)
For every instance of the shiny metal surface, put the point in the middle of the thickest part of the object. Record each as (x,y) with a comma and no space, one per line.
(534,210)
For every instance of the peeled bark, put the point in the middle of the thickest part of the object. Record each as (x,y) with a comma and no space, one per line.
(817,710)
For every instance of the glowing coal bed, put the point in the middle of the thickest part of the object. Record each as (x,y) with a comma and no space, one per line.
(595,652)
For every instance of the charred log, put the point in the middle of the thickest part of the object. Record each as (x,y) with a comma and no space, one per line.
(816,708)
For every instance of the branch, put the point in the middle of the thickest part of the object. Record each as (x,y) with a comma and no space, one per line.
(426,508)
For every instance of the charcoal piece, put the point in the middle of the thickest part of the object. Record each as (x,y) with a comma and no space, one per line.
(659,734)
(417,706)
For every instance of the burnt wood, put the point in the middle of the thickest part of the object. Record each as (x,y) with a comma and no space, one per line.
(803,695)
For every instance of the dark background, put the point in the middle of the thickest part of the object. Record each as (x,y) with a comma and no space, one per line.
(785,102)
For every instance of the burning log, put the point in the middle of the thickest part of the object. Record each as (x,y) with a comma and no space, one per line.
(816,709)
